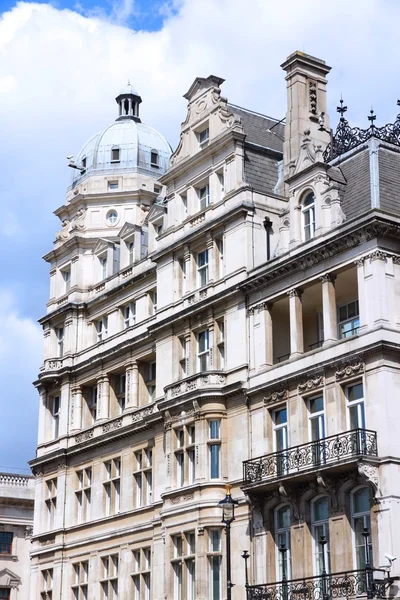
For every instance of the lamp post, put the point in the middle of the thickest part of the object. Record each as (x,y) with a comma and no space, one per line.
(228,515)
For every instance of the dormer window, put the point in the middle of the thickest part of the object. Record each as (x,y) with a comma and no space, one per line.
(154,158)
(115,154)
(84,162)
(203,137)
(308,215)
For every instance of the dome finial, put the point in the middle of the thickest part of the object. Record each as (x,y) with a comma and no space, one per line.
(128,101)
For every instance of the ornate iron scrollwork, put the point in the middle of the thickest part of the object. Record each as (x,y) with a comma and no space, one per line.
(317,454)
(346,138)
(350,584)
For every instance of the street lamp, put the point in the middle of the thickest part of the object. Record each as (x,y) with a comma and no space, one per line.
(228,515)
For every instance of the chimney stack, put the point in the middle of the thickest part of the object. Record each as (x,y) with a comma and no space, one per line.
(306,101)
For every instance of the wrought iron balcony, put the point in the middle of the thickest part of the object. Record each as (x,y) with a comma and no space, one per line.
(328,451)
(370,583)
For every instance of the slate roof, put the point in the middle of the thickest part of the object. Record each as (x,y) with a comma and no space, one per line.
(256,127)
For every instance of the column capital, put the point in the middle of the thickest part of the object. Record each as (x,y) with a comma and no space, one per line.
(295,293)
(359,261)
(327,278)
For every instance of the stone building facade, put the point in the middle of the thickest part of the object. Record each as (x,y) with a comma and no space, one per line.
(17,493)
(223,314)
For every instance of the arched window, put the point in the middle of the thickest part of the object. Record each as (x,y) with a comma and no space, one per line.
(320,530)
(154,158)
(308,215)
(282,541)
(360,520)
(115,154)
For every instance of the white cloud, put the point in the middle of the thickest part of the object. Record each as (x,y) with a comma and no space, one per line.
(20,351)
(60,71)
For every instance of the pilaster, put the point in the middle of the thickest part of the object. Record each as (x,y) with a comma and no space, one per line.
(296,323)
(329,310)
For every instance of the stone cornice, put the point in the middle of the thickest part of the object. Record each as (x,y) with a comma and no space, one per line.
(352,234)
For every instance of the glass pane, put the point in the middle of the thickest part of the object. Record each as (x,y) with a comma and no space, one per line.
(316,404)
(317,428)
(355,392)
(215,540)
(214,453)
(283,517)
(281,439)
(343,313)
(361,500)
(215,430)
(215,578)
(321,510)
(280,416)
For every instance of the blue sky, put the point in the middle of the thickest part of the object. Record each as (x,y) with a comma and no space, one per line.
(61,66)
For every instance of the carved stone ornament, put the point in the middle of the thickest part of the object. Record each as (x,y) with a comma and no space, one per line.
(295,293)
(276,396)
(28,532)
(370,472)
(377,255)
(112,425)
(349,370)
(142,414)
(184,498)
(84,437)
(311,384)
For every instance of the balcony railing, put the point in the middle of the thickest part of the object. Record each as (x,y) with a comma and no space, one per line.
(327,451)
(369,583)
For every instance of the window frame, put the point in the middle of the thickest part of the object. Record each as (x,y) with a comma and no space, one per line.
(7,545)
(366,516)
(115,158)
(214,444)
(156,163)
(203,194)
(112,486)
(349,320)
(203,355)
(308,212)
(324,523)
(286,531)
(143,477)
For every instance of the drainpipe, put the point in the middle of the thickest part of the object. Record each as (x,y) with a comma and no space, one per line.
(268,226)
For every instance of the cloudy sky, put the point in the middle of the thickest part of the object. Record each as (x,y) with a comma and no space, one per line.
(61,66)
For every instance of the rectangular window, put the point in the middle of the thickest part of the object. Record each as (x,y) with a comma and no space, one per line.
(55,413)
(151,381)
(215,559)
(51,503)
(129,313)
(221,182)
(103,267)
(152,295)
(154,159)
(221,343)
(83,494)
(184,566)
(81,577)
(130,246)
(5,542)
(280,440)
(142,476)
(60,341)
(66,275)
(316,416)
(113,185)
(348,319)
(184,205)
(202,268)
(121,392)
(141,575)
(109,580)
(356,415)
(204,196)
(102,328)
(185,455)
(112,486)
(116,258)
(183,280)
(114,154)
(47,584)
(220,249)
(214,448)
(203,137)
(183,357)
(203,350)
(91,400)
(4,593)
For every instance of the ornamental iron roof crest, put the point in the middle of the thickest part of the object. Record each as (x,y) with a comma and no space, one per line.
(346,138)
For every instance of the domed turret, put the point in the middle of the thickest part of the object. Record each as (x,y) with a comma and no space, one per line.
(126,144)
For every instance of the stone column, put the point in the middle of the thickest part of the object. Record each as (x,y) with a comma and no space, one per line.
(382,289)
(76,408)
(64,403)
(362,300)
(329,310)
(42,415)
(132,385)
(211,257)
(266,321)
(296,323)
(103,398)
